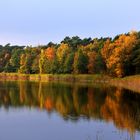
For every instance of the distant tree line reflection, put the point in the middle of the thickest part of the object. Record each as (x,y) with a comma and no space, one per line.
(72,102)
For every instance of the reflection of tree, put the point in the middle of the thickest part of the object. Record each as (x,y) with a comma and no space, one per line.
(121,110)
(73,101)
(40,96)
(22,92)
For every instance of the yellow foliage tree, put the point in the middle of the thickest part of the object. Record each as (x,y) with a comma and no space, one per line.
(117,53)
(91,62)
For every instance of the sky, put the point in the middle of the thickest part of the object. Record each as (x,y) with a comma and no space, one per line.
(37,22)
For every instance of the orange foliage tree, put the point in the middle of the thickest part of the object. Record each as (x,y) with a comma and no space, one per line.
(117,53)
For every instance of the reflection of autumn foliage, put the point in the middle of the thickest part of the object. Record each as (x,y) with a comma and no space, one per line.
(117,111)
(91,100)
(22,91)
(49,104)
(73,101)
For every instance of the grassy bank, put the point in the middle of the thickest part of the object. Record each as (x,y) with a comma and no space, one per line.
(130,82)
(50,77)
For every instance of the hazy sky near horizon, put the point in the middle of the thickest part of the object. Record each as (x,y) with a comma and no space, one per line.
(26,22)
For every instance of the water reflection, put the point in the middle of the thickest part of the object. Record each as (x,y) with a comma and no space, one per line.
(73,102)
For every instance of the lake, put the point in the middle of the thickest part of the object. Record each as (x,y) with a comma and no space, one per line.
(62,111)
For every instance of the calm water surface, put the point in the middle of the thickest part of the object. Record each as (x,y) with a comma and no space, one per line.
(56,111)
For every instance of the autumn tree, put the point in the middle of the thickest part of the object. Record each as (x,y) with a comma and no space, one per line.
(50,64)
(41,62)
(117,53)
(91,62)
(117,57)
(22,64)
(27,59)
(62,53)
(134,61)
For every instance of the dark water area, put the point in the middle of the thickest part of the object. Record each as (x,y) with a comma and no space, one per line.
(62,111)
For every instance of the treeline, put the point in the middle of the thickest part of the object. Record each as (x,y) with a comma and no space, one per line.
(118,56)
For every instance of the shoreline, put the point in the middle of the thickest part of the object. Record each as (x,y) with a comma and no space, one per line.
(129,82)
(55,77)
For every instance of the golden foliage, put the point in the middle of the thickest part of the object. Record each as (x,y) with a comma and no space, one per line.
(116,53)
(91,61)
(62,52)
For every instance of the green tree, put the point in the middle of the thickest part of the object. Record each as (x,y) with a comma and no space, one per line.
(80,62)
(15,59)
(68,64)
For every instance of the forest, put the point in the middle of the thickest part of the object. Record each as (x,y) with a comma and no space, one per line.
(117,57)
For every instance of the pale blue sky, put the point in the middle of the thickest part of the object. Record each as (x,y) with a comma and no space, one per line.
(40,21)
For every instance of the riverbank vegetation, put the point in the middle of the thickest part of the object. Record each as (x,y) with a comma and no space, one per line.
(118,56)
(129,82)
